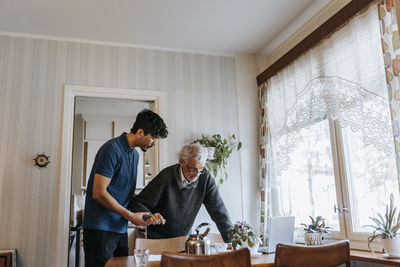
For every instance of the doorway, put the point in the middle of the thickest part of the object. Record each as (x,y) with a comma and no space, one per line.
(93,115)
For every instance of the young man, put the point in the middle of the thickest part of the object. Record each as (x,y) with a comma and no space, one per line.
(178,192)
(111,186)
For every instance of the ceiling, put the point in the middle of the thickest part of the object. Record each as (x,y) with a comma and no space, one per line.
(208,26)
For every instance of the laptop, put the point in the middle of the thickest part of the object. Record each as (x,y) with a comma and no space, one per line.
(280,230)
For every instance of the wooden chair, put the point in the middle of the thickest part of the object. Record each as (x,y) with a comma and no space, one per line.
(236,258)
(8,258)
(158,246)
(330,255)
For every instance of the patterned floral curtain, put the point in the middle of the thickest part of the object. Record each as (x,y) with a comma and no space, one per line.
(391,54)
(264,184)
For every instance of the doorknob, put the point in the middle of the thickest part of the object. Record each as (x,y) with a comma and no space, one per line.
(339,209)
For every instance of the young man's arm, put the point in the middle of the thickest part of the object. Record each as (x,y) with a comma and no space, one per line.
(101,195)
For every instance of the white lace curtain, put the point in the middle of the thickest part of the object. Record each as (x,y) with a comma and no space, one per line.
(341,78)
(337,99)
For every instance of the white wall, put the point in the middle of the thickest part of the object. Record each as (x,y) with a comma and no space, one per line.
(248,198)
(309,20)
(200,97)
(247,95)
(110,107)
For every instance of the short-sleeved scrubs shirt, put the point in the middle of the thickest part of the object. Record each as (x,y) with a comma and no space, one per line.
(116,160)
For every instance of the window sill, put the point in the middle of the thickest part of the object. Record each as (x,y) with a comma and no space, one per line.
(367,256)
(354,244)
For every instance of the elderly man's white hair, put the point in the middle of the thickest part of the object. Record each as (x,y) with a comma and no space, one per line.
(193,151)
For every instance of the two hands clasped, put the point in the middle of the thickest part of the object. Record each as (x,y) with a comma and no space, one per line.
(146,218)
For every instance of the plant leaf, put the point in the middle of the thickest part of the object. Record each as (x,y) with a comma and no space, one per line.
(239,146)
(251,244)
(215,172)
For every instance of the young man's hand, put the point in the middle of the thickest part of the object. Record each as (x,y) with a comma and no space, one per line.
(156,219)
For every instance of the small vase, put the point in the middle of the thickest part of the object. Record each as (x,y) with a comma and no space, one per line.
(210,152)
(391,246)
(313,239)
(253,249)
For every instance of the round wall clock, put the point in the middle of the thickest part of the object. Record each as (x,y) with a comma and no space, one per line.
(41,160)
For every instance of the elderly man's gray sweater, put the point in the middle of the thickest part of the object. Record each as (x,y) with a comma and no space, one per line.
(179,204)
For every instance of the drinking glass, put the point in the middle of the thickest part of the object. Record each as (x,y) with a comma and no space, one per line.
(141,256)
(220,247)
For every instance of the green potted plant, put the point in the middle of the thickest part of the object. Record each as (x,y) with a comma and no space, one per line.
(242,235)
(223,148)
(313,232)
(385,230)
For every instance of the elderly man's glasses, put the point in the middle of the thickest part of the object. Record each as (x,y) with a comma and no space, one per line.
(193,170)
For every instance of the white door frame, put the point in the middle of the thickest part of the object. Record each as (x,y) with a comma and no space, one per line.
(70,92)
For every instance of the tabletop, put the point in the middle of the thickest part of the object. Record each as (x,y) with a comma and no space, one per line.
(263,260)
(266,260)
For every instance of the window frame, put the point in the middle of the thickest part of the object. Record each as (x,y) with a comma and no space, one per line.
(338,172)
(358,239)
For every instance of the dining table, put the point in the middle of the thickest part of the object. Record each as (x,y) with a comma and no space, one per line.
(259,260)
(267,260)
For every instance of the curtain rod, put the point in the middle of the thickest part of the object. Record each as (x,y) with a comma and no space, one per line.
(328,27)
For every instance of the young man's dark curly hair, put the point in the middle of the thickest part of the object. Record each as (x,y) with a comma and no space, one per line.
(151,123)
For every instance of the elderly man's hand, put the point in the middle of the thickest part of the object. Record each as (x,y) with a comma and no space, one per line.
(156,219)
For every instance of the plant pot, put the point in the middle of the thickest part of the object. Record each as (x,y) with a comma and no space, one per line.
(391,246)
(210,152)
(313,239)
(253,249)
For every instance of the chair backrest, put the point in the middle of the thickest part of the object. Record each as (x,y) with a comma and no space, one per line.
(236,258)
(158,246)
(330,255)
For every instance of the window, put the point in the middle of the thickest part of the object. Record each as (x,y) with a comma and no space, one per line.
(371,177)
(308,186)
(331,142)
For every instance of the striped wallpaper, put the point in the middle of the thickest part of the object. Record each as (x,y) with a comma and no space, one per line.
(200,97)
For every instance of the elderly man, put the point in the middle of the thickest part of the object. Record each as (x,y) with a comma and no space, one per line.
(178,192)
